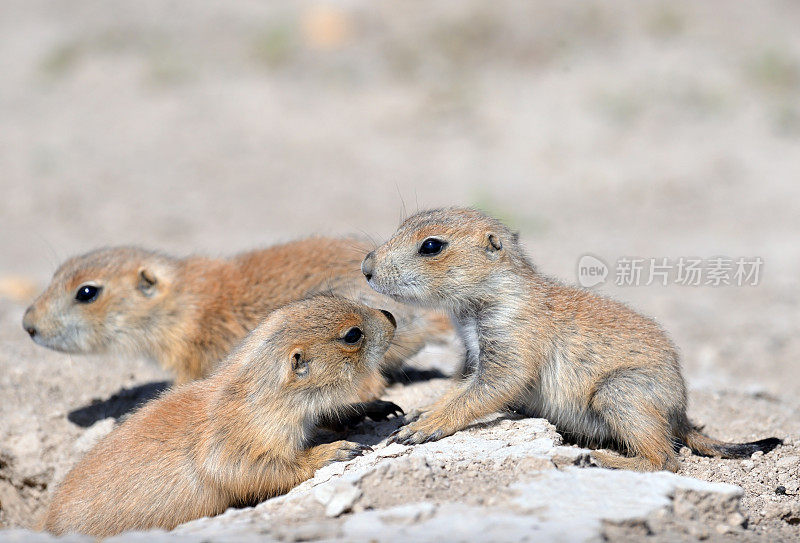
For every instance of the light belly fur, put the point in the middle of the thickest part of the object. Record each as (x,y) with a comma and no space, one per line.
(557,396)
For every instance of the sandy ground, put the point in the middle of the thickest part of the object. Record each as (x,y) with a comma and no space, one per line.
(621,129)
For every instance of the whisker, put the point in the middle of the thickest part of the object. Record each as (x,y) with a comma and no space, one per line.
(404,213)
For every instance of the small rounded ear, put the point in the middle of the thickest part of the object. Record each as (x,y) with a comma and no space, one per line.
(493,242)
(299,363)
(147,282)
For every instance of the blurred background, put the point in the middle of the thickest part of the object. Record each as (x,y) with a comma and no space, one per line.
(618,128)
(645,129)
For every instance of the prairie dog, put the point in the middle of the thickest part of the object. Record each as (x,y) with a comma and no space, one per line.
(592,366)
(188,313)
(235,438)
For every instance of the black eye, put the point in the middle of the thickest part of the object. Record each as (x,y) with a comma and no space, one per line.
(352,336)
(431,246)
(87,293)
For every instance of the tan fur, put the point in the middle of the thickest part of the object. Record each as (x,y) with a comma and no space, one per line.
(188,313)
(235,438)
(597,369)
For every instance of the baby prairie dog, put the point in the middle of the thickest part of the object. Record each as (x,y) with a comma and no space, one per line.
(237,437)
(598,370)
(188,313)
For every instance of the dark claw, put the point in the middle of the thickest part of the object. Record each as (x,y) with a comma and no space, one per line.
(353,453)
(433,437)
(381,410)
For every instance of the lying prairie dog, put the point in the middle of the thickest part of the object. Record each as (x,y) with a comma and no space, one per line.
(187,313)
(237,437)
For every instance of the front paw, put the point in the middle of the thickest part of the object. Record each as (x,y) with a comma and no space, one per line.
(342,451)
(378,410)
(422,430)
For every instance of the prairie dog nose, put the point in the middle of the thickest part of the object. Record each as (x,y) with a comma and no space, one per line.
(368,265)
(390,317)
(27,322)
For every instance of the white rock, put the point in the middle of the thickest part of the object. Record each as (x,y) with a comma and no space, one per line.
(413,512)
(391,450)
(337,497)
(546,504)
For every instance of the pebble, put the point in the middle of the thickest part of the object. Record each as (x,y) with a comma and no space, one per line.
(337,497)
(788,462)
(737,519)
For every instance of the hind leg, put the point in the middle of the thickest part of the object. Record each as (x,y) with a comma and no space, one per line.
(625,403)
(633,463)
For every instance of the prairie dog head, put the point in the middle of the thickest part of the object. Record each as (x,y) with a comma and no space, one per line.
(443,258)
(316,351)
(104,300)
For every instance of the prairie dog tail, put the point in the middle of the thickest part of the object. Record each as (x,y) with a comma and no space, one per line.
(702,444)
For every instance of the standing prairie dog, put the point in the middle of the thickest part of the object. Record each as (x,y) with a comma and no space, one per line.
(595,368)
(239,436)
(188,313)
